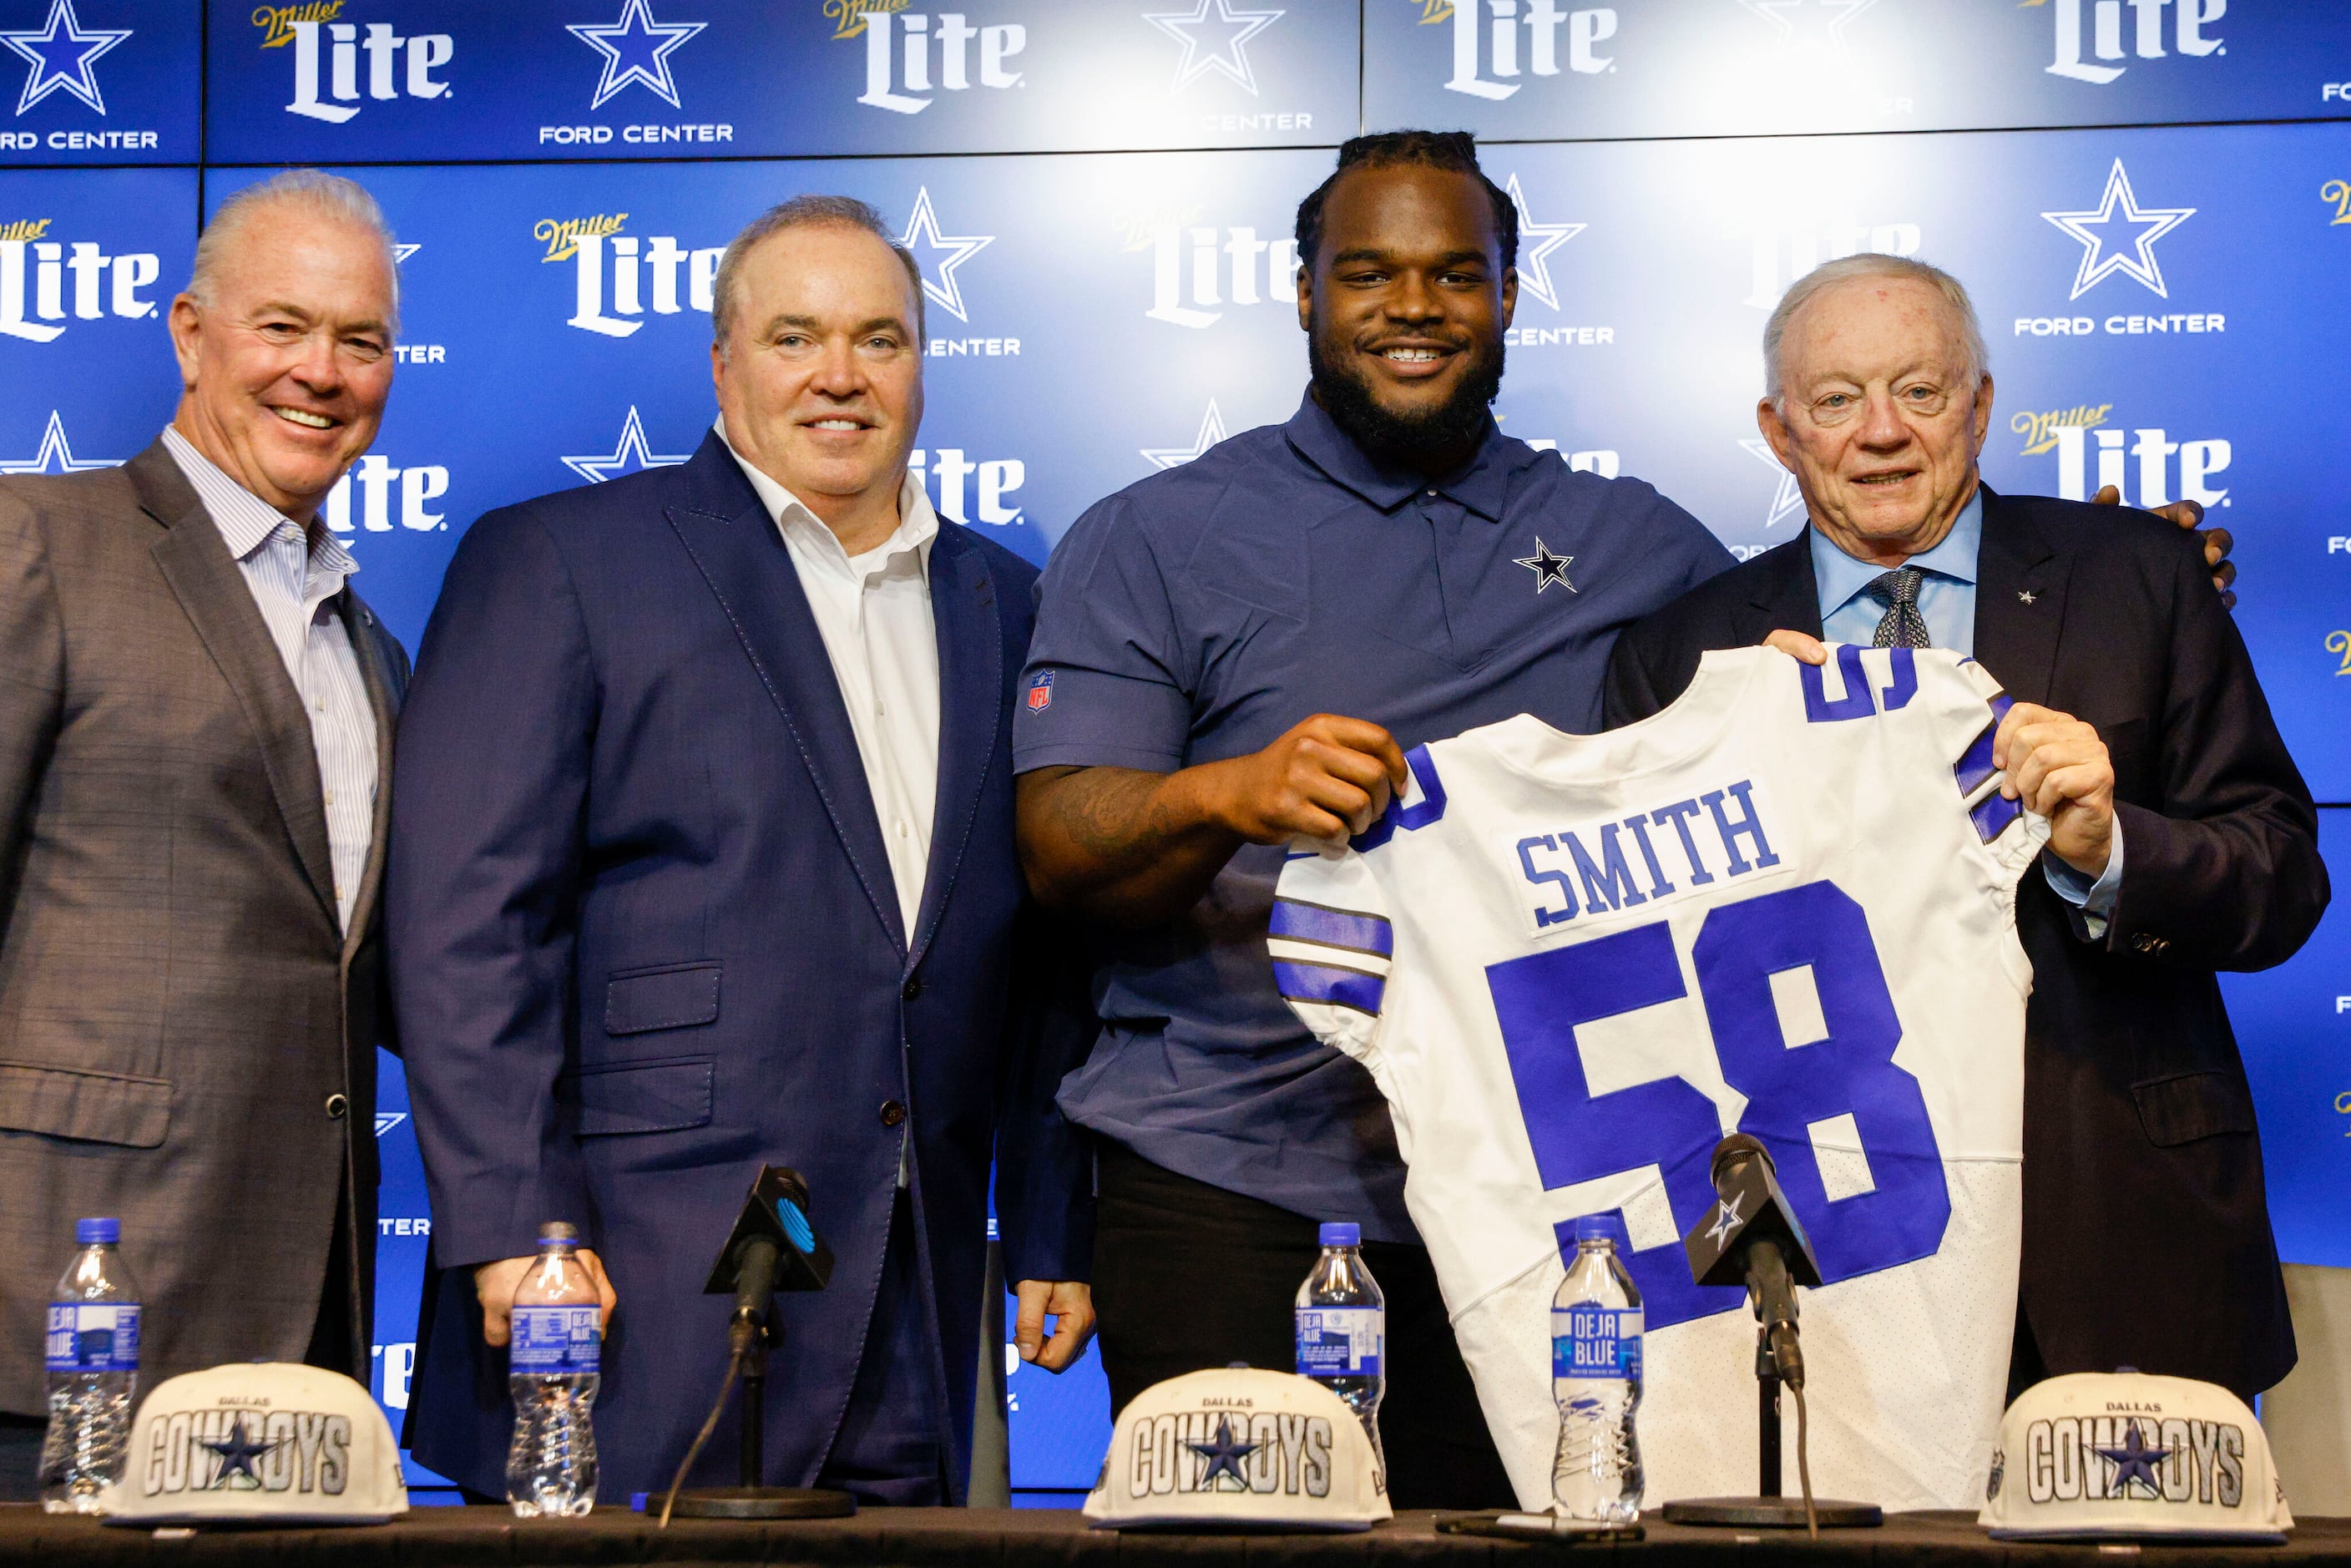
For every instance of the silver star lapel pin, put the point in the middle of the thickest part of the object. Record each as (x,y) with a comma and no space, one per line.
(2024,596)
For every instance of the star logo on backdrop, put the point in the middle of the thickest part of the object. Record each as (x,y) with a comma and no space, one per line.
(2135,257)
(1534,273)
(2135,1461)
(1212,430)
(385,1121)
(238,1453)
(636,48)
(951,251)
(62,54)
(56,455)
(1224,1456)
(1807,23)
(1787,501)
(400,253)
(1233,29)
(1548,568)
(1728,1220)
(629,456)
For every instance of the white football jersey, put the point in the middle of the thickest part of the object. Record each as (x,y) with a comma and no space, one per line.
(1785,906)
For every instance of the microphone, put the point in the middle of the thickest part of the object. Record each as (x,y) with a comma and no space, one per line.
(1752,1237)
(772,1247)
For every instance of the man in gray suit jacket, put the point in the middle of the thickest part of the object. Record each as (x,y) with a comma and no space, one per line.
(195,744)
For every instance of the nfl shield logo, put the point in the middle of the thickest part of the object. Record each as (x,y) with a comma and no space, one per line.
(1041,691)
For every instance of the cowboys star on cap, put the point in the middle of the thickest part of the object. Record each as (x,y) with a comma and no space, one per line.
(1229,54)
(56,455)
(1548,568)
(1224,1456)
(62,53)
(2090,228)
(629,456)
(2135,1461)
(1534,273)
(636,48)
(1212,431)
(238,1453)
(939,285)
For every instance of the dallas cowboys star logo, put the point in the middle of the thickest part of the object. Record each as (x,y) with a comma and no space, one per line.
(2135,1461)
(922,235)
(62,54)
(1787,501)
(400,253)
(56,455)
(1728,1220)
(238,1453)
(636,48)
(1212,430)
(1534,273)
(2139,261)
(629,456)
(1548,568)
(385,1121)
(1801,21)
(1224,1456)
(1229,56)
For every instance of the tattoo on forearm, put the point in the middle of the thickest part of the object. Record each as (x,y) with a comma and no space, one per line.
(1110,815)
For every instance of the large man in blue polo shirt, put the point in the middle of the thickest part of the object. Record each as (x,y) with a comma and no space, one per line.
(1387,555)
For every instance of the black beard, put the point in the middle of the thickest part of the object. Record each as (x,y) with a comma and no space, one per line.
(1438,441)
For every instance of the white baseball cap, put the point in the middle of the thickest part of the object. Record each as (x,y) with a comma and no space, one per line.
(2108,1455)
(1238,1448)
(259,1442)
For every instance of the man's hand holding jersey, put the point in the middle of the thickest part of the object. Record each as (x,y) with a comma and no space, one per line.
(1126,844)
(2056,765)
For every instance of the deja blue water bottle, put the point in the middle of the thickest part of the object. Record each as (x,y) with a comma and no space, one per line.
(1342,1329)
(553,1371)
(93,1367)
(1595,1377)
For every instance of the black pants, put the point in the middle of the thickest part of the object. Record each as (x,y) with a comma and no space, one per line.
(1188,1276)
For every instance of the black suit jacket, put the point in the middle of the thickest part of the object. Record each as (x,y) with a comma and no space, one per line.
(2146,1232)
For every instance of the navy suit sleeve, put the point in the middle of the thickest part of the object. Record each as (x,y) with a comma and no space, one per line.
(481,898)
(1044,1165)
(2225,874)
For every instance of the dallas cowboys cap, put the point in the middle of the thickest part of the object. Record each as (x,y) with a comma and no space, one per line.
(259,1442)
(1237,1448)
(2105,1456)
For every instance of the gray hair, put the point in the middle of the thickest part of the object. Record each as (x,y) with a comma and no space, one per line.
(1869,264)
(311,192)
(802,212)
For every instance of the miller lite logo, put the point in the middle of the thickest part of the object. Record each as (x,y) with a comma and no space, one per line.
(1495,42)
(47,284)
(327,73)
(2110,29)
(388,497)
(909,54)
(617,277)
(2145,464)
(1195,269)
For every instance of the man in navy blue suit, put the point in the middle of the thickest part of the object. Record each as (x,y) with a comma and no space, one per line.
(704,857)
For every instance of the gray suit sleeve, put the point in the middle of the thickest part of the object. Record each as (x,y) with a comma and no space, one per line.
(32,679)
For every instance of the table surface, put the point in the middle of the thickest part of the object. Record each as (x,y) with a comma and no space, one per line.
(494,1538)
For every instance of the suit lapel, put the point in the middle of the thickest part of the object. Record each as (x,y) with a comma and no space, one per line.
(2019,601)
(1785,596)
(212,591)
(358,625)
(735,545)
(971,702)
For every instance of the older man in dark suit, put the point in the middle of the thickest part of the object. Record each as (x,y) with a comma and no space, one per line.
(195,726)
(2182,838)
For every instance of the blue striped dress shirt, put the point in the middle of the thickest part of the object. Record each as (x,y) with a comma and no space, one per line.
(295,573)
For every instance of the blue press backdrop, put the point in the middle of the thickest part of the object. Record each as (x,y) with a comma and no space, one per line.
(2150,198)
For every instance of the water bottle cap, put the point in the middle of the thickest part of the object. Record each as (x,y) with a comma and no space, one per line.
(1343,1234)
(556,1230)
(97,1232)
(1605,1228)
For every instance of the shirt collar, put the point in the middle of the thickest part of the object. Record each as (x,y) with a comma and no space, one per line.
(1841,579)
(246,521)
(1482,484)
(918,524)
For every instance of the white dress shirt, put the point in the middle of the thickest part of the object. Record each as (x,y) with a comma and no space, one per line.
(295,572)
(874,611)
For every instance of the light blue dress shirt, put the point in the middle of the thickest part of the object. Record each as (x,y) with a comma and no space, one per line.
(1947,602)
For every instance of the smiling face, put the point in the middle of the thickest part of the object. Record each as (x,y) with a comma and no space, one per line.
(1403,306)
(284,370)
(820,378)
(1882,426)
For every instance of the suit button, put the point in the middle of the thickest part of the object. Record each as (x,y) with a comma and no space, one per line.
(911,990)
(338,1107)
(893,1113)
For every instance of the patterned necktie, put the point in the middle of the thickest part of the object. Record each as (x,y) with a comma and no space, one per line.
(1902,626)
